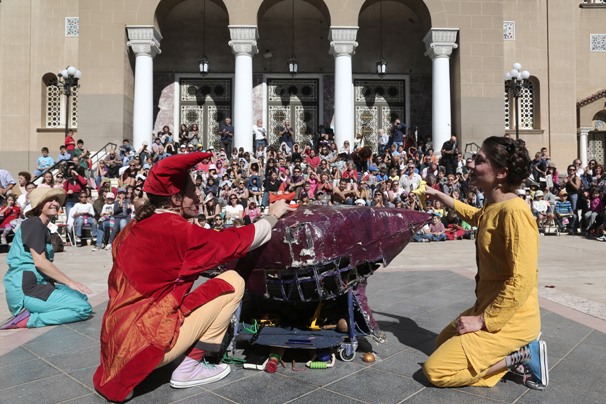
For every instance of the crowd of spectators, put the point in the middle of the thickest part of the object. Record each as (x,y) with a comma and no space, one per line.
(238,185)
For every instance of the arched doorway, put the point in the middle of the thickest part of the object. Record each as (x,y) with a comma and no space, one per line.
(290,28)
(596,141)
(392,30)
(191,29)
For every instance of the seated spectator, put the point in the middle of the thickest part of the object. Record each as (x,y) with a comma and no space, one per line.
(7,183)
(127,151)
(218,223)
(113,163)
(295,182)
(23,178)
(423,235)
(106,220)
(47,180)
(101,171)
(344,194)
(63,154)
(23,199)
(255,189)
(234,210)
(129,175)
(43,163)
(437,231)
(593,217)
(37,292)
(122,215)
(564,213)
(83,214)
(70,142)
(253,212)
(74,184)
(271,186)
(241,193)
(541,211)
(8,212)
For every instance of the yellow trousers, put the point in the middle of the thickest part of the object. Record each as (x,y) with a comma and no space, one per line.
(448,366)
(208,323)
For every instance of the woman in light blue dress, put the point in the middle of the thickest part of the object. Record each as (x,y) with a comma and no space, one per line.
(37,292)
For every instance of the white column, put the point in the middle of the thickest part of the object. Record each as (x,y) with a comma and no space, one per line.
(342,47)
(145,43)
(440,43)
(583,135)
(244,46)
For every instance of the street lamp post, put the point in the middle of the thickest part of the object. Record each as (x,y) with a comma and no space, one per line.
(516,80)
(69,79)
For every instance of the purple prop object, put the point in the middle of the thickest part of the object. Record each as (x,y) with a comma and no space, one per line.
(319,252)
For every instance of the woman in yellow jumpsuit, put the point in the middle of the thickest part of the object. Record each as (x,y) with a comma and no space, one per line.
(501,330)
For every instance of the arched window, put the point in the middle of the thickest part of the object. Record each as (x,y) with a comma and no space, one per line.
(528,106)
(54,103)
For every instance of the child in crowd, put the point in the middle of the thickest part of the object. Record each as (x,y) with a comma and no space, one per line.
(9,212)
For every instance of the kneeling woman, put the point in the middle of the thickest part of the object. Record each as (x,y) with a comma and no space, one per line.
(37,292)
(152,318)
(500,331)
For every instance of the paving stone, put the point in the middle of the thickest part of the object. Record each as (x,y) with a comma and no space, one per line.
(592,350)
(25,372)
(50,390)
(375,386)
(264,387)
(91,398)
(204,397)
(325,396)
(435,395)
(76,360)
(561,334)
(85,376)
(70,342)
(15,356)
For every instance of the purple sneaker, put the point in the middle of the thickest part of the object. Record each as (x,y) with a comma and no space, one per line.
(14,321)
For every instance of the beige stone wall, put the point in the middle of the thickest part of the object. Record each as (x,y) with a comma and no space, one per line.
(530,50)
(476,68)
(33,43)
(562,86)
(590,66)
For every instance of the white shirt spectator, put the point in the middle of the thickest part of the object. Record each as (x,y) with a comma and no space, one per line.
(259,132)
(410,183)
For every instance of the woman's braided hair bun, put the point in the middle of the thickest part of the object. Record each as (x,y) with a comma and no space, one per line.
(508,153)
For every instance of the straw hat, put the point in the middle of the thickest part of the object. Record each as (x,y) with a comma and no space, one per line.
(40,195)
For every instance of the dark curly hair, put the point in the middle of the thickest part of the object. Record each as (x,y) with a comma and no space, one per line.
(508,153)
(152,203)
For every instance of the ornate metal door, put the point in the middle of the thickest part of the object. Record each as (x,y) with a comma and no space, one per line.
(205,102)
(296,101)
(377,104)
(596,146)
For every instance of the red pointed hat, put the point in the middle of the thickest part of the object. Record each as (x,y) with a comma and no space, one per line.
(169,176)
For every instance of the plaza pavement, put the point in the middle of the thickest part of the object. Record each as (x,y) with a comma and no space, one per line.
(426,286)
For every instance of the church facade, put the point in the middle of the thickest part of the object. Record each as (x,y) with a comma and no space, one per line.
(147,64)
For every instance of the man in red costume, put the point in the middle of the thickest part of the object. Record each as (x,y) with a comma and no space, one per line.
(152,318)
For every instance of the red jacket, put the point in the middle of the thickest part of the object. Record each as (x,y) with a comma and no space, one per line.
(156,262)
